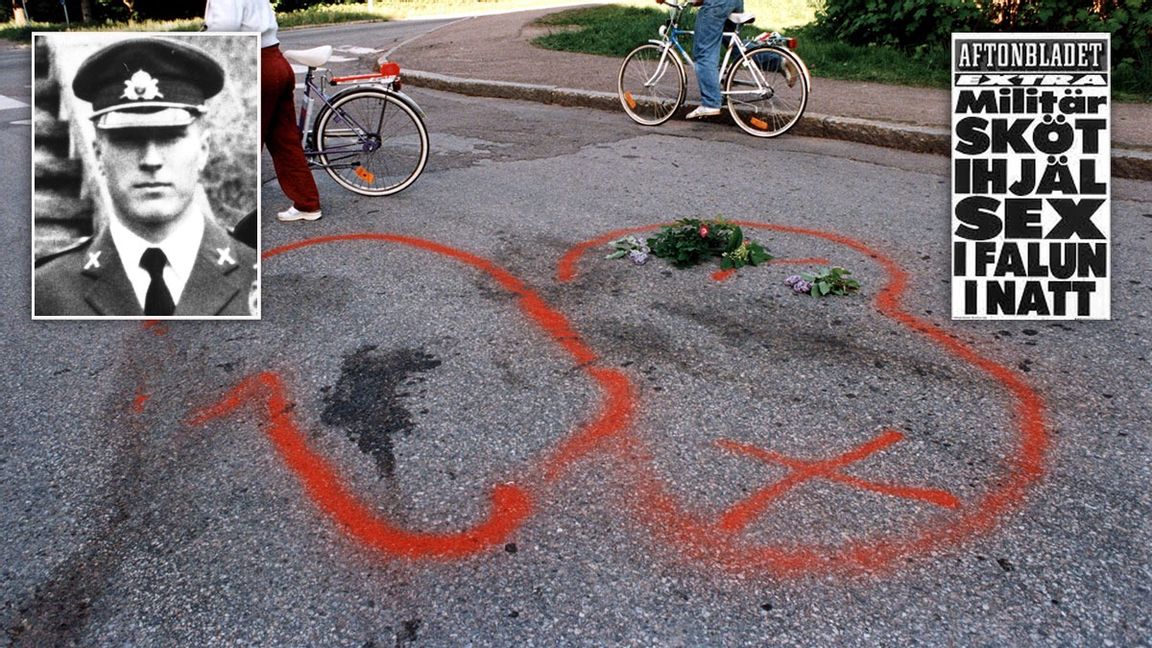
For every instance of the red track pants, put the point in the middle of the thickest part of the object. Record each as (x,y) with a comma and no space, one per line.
(278,130)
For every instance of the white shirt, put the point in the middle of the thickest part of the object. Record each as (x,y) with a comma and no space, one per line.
(243,16)
(181,248)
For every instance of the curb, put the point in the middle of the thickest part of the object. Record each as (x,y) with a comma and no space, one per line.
(1126,163)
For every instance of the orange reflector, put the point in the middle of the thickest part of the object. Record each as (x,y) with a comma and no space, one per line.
(758,123)
(388,68)
(365,174)
(791,43)
(629,100)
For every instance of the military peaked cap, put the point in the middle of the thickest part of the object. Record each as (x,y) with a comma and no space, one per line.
(147,82)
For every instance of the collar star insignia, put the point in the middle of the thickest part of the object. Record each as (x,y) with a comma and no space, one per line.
(141,85)
(225,256)
(93,260)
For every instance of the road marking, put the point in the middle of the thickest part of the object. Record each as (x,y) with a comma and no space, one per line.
(8,103)
(357,51)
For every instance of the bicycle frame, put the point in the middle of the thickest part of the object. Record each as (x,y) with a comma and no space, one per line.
(758,76)
(313,90)
(670,41)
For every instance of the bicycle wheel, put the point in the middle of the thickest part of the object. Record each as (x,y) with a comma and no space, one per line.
(371,141)
(767,91)
(651,84)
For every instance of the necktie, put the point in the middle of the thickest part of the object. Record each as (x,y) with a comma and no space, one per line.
(158,301)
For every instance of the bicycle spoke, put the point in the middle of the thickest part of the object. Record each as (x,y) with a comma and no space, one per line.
(651,84)
(766,91)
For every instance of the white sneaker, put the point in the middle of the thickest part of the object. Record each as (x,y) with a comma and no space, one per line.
(702,111)
(293,214)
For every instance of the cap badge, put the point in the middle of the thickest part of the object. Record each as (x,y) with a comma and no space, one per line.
(139,86)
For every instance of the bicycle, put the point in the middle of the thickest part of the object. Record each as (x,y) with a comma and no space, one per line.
(764,82)
(369,137)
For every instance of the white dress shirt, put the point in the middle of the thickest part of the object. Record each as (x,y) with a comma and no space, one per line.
(181,248)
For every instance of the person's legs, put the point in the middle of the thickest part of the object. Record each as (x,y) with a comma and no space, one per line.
(706,49)
(278,130)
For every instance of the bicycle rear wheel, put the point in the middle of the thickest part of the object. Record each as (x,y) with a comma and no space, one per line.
(651,84)
(371,141)
(767,91)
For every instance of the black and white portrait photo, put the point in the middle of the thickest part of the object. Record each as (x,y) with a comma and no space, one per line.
(145,176)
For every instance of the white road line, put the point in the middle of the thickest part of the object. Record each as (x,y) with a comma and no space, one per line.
(8,103)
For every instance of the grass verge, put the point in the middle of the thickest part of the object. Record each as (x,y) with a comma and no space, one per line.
(613,30)
(319,15)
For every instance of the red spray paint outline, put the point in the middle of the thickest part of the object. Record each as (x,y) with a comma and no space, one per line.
(511,502)
(711,541)
(701,539)
(741,514)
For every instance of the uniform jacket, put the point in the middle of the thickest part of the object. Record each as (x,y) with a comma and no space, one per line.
(88,279)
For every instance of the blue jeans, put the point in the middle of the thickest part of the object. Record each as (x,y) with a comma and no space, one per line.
(710,20)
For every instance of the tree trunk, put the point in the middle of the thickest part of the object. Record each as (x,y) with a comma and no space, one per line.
(86,10)
(18,15)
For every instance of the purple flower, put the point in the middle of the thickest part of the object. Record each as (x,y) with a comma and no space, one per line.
(639,257)
(791,280)
(802,286)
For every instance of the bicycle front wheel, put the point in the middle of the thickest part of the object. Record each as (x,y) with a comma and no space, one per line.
(371,141)
(651,84)
(767,91)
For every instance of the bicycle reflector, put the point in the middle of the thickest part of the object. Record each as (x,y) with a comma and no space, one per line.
(365,174)
(791,43)
(388,68)
(391,70)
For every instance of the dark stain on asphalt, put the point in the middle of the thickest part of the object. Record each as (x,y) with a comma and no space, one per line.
(407,634)
(368,399)
(136,510)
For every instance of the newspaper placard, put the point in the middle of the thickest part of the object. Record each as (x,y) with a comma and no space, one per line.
(1031,198)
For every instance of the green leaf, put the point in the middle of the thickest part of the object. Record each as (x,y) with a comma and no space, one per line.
(617,255)
(735,239)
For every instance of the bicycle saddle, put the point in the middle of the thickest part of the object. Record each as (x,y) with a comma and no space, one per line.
(737,18)
(312,58)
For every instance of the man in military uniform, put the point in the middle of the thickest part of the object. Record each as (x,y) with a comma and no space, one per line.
(159,255)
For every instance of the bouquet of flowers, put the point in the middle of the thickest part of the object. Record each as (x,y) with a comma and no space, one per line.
(636,250)
(690,241)
(829,281)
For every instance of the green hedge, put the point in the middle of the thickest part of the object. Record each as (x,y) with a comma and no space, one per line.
(919,25)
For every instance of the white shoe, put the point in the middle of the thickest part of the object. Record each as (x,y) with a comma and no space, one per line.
(293,214)
(702,111)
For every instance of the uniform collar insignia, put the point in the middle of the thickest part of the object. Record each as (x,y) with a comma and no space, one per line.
(141,85)
(93,260)
(225,257)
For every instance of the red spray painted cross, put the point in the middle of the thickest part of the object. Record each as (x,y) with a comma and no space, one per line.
(739,515)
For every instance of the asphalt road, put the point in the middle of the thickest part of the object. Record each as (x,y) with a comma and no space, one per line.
(442,434)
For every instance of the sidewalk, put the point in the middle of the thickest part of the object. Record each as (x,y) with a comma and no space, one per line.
(493,56)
